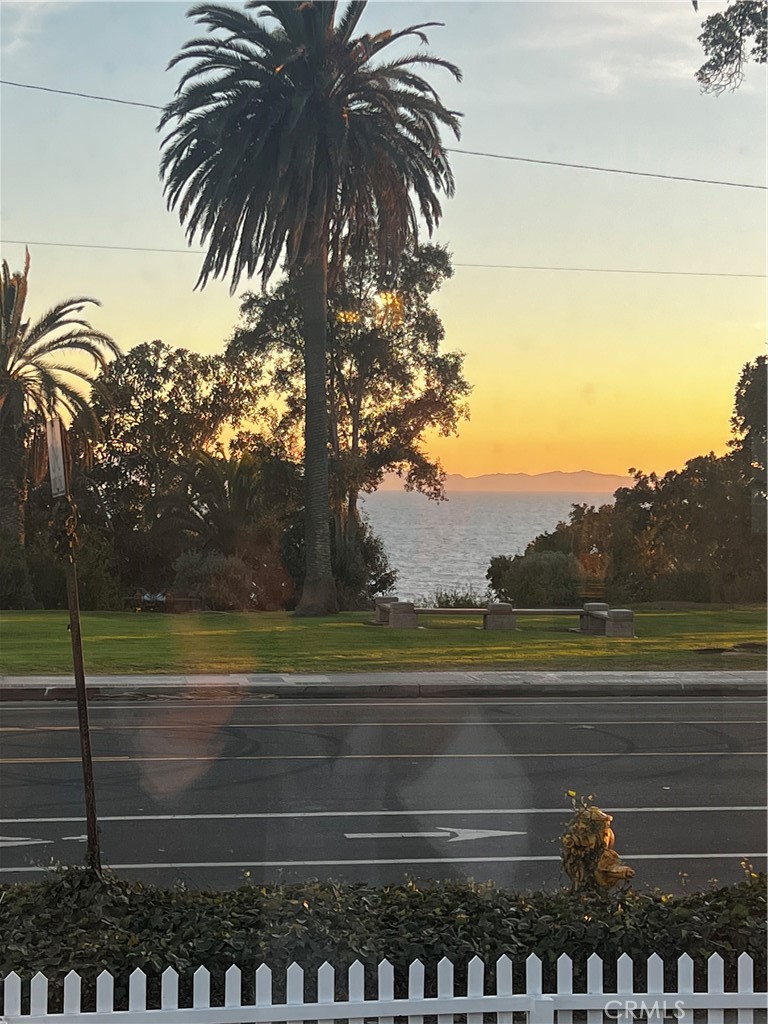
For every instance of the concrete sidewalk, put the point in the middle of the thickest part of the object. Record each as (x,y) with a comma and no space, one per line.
(393,684)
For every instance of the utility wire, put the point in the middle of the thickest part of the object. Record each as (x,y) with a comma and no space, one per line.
(463,152)
(607,170)
(86,245)
(82,95)
(606,270)
(477,266)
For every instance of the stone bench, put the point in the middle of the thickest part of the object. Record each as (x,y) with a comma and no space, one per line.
(381,605)
(613,622)
(495,615)
(595,618)
(405,615)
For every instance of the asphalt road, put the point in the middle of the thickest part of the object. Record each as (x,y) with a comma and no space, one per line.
(383,790)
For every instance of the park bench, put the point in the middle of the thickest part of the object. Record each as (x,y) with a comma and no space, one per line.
(595,618)
(405,615)
(601,620)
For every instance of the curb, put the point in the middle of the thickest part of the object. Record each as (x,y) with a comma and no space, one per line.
(402,690)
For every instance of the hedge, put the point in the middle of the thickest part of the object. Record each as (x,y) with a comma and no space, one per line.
(72,920)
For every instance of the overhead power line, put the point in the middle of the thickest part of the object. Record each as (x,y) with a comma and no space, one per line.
(606,270)
(608,170)
(476,266)
(81,95)
(463,152)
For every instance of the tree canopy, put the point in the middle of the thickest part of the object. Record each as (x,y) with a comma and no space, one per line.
(388,380)
(731,39)
(697,534)
(164,404)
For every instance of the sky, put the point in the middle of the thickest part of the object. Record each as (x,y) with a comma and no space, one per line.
(571,370)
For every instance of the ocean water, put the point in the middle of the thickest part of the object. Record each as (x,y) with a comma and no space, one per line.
(449,545)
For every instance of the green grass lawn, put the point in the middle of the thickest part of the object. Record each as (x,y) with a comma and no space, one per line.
(37,643)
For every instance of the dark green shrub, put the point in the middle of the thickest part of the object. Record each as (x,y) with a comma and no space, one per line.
(15,583)
(456,598)
(360,565)
(47,573)
(220,582)
(361,568)
(97,576)
(72,921)
(538,579)
(97,579)
(272,586)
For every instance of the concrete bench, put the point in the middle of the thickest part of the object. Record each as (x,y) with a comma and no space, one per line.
(405,615)
(595,618)
(381,605)
(613,622)
(495,615)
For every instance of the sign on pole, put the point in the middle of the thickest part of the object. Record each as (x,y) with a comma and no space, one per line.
(56,457)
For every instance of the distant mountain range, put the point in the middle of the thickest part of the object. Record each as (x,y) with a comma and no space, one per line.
(582,481)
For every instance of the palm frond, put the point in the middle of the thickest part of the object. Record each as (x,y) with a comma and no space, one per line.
(35,378)
(350,18)
(262,162)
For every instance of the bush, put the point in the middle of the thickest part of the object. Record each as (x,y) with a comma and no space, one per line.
(222,583)
(272,588)
(71,921)
(456,598)
(97,575)
(97,572)
(361,569)
(537,579)
(15,584)
(47,573)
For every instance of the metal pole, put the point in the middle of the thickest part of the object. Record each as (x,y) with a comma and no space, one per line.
(93,857)
(65,541)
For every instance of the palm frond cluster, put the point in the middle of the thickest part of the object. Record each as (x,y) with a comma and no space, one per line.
(36,376)
(294,138)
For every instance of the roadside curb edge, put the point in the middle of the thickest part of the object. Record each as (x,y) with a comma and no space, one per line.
(411,691)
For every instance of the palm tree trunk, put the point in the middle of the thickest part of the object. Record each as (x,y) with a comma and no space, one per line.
(318,595)
(12,484)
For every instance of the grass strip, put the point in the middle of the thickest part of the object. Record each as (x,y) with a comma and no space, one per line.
(37,643)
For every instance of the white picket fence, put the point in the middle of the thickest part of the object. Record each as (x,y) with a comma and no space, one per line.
(619,1006)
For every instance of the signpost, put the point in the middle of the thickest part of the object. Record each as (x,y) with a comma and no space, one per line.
(68,542)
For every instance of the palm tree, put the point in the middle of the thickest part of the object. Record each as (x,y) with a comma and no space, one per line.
(223,502)
(36,381)
(292,142)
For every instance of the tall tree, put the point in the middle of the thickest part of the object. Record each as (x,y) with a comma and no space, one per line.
(748,422)
(388,381)
(749,444)
(38,381)
(731,38)
(165,403)
(294,142)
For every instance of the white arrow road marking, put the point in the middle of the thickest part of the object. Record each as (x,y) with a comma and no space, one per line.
(453,835)
(21,841)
